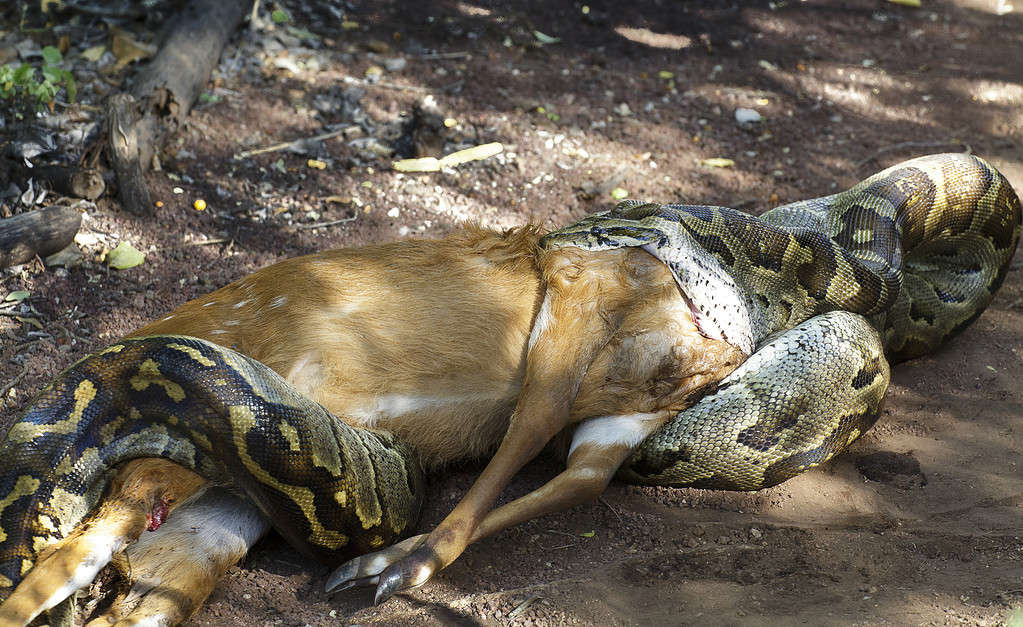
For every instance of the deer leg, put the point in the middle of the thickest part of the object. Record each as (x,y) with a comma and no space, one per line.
(143,493)
(581,310)
(599,447)
(171,572)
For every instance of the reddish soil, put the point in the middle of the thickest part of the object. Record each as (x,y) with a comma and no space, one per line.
(846,88)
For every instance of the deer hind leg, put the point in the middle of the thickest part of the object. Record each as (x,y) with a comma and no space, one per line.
(142,494)
(599,446)
(580,312)
(171,572)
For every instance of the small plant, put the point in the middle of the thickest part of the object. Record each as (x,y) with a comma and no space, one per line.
(553,117)
(20,86)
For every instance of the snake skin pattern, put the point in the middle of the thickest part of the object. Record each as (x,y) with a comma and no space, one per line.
(817,292)
(918,250)
(229,418)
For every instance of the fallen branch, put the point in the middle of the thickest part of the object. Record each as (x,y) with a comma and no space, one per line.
(41,232)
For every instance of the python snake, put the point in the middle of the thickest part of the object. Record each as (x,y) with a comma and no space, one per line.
(819,292)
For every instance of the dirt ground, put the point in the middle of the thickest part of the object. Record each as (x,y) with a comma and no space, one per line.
(634,96)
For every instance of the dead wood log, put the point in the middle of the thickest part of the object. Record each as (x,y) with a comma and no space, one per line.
(71,180)
(123,152)
(165,90)
(67,180)
(41,232)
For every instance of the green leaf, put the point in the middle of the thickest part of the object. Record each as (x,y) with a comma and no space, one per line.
(619,194)
(17,296)
(70,85)
(51,73)
(588,534)
(124,256)
(302,33)
(52,56)
(280,16)
(24,74)
(545,39)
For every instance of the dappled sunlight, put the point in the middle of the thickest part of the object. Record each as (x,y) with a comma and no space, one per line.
(645,36)
(620,100)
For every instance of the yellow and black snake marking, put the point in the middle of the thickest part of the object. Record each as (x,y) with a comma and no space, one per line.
(337,491)
(918,249)
(820,293)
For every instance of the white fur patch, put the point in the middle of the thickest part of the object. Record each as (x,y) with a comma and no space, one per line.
(608,431)
(387,406)
(349,307)
(306,375)
(215,522)
(240,304)
(278,302)
(542,321)
(210,304)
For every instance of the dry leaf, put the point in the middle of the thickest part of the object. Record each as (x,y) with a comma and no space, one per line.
(476,153)
(423,164)
(430,164)
(127,49)
(31,321)
(93,54)
(717,162)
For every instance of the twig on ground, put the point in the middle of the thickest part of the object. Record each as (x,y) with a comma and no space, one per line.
(13,382)
(285,145)
(431,56)
(317,225)
(209,242)
(522,607)
(608,505)
(397,87)
(901,145)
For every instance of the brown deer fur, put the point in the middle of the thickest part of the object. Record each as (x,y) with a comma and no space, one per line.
(459,345)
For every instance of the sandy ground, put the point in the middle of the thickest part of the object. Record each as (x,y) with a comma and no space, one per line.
(846,88)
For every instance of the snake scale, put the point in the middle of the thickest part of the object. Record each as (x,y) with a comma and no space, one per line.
(821,293)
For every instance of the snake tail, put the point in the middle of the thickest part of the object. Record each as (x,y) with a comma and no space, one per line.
(213,411)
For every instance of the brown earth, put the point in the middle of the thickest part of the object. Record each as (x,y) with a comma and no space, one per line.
(845,88)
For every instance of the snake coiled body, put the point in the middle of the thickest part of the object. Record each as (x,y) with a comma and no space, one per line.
(918,249)
(820,293)
(344,491)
